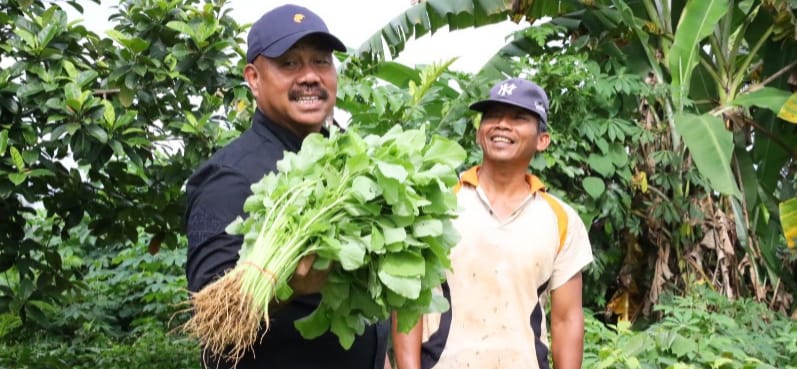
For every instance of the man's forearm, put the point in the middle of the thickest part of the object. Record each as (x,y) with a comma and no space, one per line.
(567,343)
(407,346)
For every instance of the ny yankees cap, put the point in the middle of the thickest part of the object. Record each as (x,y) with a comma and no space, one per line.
(517,92)
(276,31)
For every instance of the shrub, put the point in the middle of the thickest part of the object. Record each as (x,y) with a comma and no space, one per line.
(701,330)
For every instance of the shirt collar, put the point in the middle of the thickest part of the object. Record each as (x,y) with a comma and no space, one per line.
(265,126)
(471,178)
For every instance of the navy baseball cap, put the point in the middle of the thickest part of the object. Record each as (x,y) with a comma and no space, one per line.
(279,29)
(517,92)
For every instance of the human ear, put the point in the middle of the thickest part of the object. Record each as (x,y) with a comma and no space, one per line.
(543,140)
(250,76)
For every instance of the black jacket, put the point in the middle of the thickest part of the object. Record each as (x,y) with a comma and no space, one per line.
(216,193)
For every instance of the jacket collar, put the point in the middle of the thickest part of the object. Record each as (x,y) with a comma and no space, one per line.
(265,126)
(471,178)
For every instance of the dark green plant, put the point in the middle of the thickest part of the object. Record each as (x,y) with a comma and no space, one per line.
(107,128)
(121,313)
(90,349)
(701,330)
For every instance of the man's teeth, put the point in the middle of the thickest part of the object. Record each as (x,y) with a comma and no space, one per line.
(501,139)
(307,99)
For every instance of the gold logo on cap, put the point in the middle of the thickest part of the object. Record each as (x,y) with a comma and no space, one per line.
(298,18)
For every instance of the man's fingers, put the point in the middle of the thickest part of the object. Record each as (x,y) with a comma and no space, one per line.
(305,265)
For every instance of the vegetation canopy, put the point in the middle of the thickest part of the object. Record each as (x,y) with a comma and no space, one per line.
(673,131)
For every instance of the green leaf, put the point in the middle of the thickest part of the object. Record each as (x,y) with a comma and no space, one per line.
(408,287)
(342,329)
(315,147)
(365,189)
(391,170)
(768,97)
(108,113)
(444,151)
(46,35)
(601,164)
(313,325)
(336,291)
(351,253)
(16,158)
(788,220)
(40,172)
(3,141)
(86,77)
(181,27)
(74,96)
(594,186)
(29,89)
(8,323)
(410,141)
(17,178)
(710,145)
(681,346)
(377,243)
(135,44)
(98,133)
(697,21)
(403,264)
(393,234)
(439,303)
(70,69)
(427,228)
(26,36)
(126,96)
(618,155)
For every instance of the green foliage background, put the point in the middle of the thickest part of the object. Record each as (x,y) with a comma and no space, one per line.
(99,133)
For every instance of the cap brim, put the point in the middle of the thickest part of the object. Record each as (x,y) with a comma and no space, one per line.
(280,47)
(482,105)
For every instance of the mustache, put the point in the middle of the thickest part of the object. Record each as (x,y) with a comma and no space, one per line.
(295,94)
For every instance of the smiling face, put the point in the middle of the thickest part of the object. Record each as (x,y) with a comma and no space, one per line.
(297,89)
(509,134)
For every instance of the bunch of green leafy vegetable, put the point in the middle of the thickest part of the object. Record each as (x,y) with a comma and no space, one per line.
(376,211)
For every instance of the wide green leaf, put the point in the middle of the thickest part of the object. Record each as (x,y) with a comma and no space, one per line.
(365,189)
(710,145)
(768,97)
(444,151)
(594,186)
(601,164)
(17,178)
(391,170)
(135,44)
(429,16)
(351,253)
(427,228)
(409,287)
(403,264)
(697,22)
(341,328)
(313,325)
(788,219)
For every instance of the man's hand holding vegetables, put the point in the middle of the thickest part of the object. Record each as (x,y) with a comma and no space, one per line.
(293,80)
(518,246)
(308,280)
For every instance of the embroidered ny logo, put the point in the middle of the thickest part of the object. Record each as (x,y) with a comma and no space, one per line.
(506,89)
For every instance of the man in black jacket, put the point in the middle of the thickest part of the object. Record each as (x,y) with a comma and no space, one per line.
(293,79)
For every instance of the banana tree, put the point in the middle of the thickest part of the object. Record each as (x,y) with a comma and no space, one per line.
(727,113)
(728,64)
